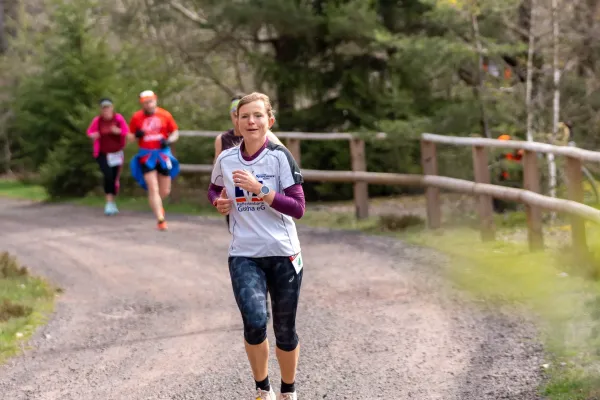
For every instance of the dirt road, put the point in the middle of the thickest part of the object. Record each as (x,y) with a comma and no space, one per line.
(150,315)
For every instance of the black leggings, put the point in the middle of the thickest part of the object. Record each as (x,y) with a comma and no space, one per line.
(250,278)
(111,175)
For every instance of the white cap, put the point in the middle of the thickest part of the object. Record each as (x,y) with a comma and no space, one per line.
(147,95)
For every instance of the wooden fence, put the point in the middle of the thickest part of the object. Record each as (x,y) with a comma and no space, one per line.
(530,196)
(292,142)
(534,202)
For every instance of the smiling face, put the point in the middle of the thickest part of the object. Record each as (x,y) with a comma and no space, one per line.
(254,120)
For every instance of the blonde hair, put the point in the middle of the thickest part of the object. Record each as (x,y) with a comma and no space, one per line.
(256,96)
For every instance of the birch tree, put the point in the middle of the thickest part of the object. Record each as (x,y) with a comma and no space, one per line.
(556,98)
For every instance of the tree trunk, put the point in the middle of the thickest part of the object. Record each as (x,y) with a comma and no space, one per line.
(556,102)
(480,87)
(529,87)
(3,41)
(5,155)
(585,15)
(285,102)
(285,54)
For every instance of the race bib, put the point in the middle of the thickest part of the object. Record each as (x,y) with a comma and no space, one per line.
(297,262)
(114,159)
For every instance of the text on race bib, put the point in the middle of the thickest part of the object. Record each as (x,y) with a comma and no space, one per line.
(115,159)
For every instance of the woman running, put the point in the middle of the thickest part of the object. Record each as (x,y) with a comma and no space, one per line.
(154,166)
(263,181)
(109,131)
(233,138)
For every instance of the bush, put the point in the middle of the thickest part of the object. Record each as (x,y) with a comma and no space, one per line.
(10,267)
(55,106)
(394,223)
(9,309)
(70,170)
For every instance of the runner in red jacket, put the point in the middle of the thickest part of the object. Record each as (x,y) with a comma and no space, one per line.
(154,166)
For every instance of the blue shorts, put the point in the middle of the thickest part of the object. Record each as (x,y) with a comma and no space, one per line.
(250,279)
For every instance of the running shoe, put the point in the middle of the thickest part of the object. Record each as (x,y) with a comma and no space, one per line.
(288,396)
(264,395)
(162,225)
(110,209)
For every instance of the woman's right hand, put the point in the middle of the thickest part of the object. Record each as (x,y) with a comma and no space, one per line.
(223,204)
(94,135)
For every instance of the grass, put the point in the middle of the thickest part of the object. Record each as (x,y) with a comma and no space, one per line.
(556,290)
(25,303)
(18,190)
(554,287)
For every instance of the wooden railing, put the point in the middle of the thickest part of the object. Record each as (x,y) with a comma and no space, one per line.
(529,196)
(292,142)
(534,202)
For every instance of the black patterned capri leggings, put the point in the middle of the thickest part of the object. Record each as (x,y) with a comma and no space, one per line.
(250,278)
(111,175)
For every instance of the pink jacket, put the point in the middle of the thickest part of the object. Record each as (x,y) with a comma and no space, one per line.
(93,128)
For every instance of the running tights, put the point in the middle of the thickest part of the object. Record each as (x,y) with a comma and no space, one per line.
(250,278)
(111,175)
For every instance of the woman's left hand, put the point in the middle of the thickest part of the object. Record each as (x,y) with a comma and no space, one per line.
(246,181)
(116,130)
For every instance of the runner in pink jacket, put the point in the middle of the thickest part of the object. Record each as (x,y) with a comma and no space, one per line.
(109,134)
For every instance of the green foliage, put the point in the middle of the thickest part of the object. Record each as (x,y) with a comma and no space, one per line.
(329,65)
(69,169)
(375,66)
(25,301)
(76,69)
(10,267)
(54,107)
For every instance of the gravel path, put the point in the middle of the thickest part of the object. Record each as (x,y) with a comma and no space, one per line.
(151,315)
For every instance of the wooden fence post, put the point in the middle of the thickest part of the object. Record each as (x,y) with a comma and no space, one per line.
(432,194)
(575,191)
(531,182)
(486,210)
(361,189)
(293,146)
